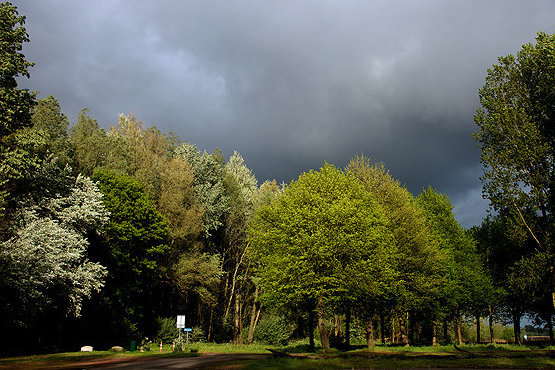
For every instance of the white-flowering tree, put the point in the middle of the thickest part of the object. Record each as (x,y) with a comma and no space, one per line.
(44,263)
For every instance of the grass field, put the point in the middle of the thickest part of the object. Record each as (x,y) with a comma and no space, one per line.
(396,363)
(476,356)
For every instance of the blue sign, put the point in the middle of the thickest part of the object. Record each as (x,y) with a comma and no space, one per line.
(187,329)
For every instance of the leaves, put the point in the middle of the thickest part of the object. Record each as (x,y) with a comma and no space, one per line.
(15,104)
(324,236)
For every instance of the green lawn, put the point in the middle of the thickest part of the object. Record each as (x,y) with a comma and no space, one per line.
(480,356)
(354,362)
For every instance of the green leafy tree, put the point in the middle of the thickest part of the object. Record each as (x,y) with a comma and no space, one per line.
(419,261)
(323,240)
(198,278)
(148,155)
(515,266)
(133,249)
(48,116)
(89,143)
(177,202)
(517,138)
(15,104)
(23,153)
(467,287)
(241,187)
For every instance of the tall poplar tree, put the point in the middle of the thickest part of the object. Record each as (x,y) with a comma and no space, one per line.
(516,132)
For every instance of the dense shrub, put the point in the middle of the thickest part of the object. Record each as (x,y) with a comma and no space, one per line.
(166,329)
(197,335)
(273,330)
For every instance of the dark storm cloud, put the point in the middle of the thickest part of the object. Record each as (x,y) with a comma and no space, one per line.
(291,84)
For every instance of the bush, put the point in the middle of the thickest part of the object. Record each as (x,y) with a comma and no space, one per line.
(180,345)
(197,335)
(166,329)
(273,330)
(144,345)
(508,334)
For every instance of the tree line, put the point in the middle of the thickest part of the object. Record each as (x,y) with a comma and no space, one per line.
(106,232)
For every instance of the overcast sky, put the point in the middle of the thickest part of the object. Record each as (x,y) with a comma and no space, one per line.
(291,84)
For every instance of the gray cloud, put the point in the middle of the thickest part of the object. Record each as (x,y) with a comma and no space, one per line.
(291,84)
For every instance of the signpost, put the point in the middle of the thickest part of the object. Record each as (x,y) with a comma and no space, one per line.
(181,325)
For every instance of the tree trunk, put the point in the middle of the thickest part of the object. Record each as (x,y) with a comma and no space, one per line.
(382,328)
(516,326)
(458,326)
(255,323)
(434,333)
(311,329)
(209,336)
(393,334)
(490,322)
(322,329)
(369,328)
(252,324)
(446,338)
(233,281)
(478,333)
(414,332)
(403,330)
(237,321)
(550,327)
(337,326)
(348,327)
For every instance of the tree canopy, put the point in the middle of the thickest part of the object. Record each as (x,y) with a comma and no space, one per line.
(323,239)
(15,104)
(516,133)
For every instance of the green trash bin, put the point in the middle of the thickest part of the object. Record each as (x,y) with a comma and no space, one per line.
(133,346)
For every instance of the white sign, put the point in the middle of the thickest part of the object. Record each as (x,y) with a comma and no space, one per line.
(180,321)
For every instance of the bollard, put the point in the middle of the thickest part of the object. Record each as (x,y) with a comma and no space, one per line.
(160,347)
(173,347)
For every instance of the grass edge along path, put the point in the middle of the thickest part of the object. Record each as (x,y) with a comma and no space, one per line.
(77,359)
(289,358)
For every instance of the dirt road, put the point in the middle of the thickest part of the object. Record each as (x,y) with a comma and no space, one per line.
(207,359)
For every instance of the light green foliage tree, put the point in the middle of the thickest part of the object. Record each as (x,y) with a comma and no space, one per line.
(324,239)
(48,116)
(15,104)
(89,143)
(419,261)
(177,202)
(44,263)
(517,138)
(467,288)
(144,151)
